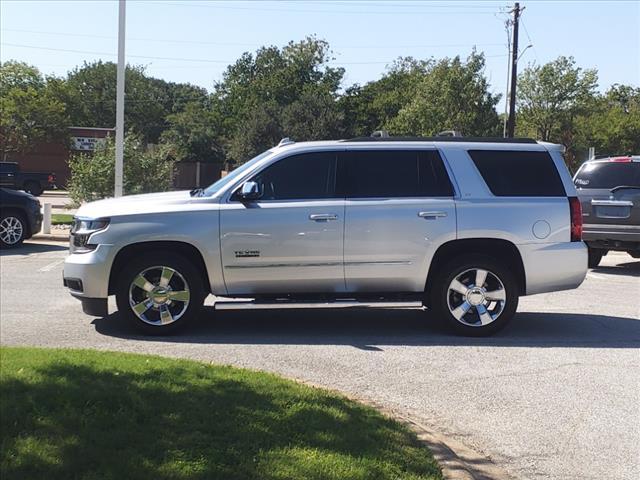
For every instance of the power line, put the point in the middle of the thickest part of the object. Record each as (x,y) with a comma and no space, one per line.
(202,60)
(199,42)
(333,12)
(533,45)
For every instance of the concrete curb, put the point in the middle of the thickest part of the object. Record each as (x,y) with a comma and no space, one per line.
(457,461)
(51,237)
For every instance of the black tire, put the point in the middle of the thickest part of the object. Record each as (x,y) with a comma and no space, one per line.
(443,300)
(595,256)
(10,222)
(33,188)
(189,279)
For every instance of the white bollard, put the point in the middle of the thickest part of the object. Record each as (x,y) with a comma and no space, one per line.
(46,221)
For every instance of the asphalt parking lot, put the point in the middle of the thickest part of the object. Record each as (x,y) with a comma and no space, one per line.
(555,395)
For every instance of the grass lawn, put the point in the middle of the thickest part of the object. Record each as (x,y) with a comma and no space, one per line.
(61,219)
(81,414)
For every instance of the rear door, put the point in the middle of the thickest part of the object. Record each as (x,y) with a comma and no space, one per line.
(399,209)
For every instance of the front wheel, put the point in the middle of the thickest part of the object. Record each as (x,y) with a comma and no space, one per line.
(13,229)
(160,293)
(475,295)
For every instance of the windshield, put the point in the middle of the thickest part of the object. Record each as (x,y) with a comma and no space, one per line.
(608,175)
(224,181)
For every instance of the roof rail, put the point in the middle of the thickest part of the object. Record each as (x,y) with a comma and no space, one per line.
(285,141)
(450,133)
(380,134)
(443,139)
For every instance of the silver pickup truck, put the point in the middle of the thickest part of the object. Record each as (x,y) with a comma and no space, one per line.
(460,226)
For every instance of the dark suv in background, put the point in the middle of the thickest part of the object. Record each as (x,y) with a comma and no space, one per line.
(609,190)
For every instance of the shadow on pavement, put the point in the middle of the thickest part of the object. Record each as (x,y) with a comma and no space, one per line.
(629,268)
(28,248)
(373,329)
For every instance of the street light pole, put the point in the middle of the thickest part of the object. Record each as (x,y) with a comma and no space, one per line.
(120,101)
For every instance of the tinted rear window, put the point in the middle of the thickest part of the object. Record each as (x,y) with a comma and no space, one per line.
(608,175)
(396,173)
(518,173)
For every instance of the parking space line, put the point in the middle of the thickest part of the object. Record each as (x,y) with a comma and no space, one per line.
(51,266)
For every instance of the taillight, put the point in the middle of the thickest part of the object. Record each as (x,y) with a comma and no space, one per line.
(576,219)
(52,178)
(620,159)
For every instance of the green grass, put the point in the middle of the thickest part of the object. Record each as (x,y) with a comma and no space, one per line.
(81,414)
(61,219)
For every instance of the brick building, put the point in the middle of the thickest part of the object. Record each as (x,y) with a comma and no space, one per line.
(54,156)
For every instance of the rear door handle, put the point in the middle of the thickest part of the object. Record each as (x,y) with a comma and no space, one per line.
(432,215)
(323,217)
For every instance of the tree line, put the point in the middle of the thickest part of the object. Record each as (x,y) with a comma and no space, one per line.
(295,92)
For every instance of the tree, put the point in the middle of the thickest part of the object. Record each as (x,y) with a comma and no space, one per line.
(194,134)
(550,96)
(257,90)
(90,96)
(451,95)
(374,105)
(145,170)
(29,113)
(612,123)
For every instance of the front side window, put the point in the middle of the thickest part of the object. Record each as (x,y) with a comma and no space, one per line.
(396,173)
(305,176)
(518,173)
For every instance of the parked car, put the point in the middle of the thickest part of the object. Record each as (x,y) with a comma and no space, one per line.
(461,226)
(20,217)
(33,182)
(609,190)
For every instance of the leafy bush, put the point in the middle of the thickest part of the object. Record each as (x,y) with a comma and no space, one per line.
(145,170)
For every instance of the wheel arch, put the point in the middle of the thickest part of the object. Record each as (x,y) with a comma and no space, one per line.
(130,251)
(501,250)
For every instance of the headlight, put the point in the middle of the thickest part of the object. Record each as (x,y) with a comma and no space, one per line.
(81,232)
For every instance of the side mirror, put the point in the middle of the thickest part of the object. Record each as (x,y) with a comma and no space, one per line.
(249,191)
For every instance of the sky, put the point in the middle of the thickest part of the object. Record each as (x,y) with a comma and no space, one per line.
(194,40)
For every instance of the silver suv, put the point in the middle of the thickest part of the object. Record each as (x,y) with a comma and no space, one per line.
(460,226)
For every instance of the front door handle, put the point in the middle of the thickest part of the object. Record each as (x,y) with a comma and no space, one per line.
(323,217)
(432,215)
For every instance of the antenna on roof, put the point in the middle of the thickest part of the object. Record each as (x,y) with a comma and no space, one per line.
(285,141)
(380,134)
(449,133)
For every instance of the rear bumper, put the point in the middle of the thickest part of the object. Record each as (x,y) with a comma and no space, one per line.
(612,237)
(553,266)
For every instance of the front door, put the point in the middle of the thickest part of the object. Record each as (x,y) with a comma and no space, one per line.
(290,240)
(399,209)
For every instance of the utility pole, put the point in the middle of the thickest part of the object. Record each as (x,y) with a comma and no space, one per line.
(120,101)
(511,123)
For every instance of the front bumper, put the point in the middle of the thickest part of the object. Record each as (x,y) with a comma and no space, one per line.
(550,267)
(90,271)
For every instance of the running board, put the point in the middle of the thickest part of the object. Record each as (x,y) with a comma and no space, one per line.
(277,305)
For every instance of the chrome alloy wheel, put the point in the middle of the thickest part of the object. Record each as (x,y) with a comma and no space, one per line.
(11,230)
(159,295)
(476,297)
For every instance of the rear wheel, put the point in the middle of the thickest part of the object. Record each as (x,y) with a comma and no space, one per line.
(13,229)
(595,256)
(475,295)
(160,293)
